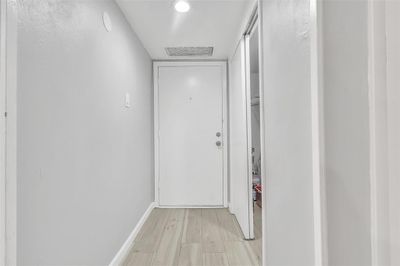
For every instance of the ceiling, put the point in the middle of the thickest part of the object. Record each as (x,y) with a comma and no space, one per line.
(216,23)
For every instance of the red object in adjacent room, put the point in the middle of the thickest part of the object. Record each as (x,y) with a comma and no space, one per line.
(259,196)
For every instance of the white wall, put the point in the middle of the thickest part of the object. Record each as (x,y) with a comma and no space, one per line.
(393,111)
(346,119)
(85,162)
(385,129)
(362,99)
(380,230)
(288,175)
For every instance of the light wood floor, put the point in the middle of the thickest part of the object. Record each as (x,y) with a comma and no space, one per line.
(194,237)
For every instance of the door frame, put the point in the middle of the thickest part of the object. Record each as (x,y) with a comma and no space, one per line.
(156,66)
(8,133)
(250,31)
(3,96)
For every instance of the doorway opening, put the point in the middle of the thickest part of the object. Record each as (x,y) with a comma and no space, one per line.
(254,125)
(245,126)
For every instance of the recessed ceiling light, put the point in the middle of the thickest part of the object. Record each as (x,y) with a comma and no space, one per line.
(182,6)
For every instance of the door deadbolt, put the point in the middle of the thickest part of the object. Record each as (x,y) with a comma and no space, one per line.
(218,134)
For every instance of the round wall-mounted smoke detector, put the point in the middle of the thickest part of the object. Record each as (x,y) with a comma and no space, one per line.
(107,21)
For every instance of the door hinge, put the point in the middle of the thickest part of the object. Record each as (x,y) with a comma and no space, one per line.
(5,114)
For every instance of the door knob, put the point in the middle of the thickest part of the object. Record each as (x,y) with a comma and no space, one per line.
(218,134)
(218,143)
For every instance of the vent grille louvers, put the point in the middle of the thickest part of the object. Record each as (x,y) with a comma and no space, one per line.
(189,51)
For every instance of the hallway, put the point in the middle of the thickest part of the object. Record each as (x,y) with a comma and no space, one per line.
(138,132)
(194,237)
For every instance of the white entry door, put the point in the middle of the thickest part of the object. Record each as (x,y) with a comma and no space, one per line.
(189,99)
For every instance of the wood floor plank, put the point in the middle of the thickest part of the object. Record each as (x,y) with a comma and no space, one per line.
(150,236)
(139,259)
(256,248)
(256,244)
(181,237)
(192,226)
(257,222)
(239,254)
(150,223)
(228,228)
(210,232)
(215,259)
(168,249)
(191,255)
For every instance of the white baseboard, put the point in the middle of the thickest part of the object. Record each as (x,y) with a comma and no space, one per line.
(124,250)
(190,206)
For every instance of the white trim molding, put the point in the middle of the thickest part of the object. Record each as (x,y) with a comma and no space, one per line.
(379,132)
(263,135)
(247,74)
(372,134)
(191,207)
(8,85)
(126,247)
(317,130)
(3,95)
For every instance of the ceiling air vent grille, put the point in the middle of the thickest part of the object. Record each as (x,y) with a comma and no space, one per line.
(189,51)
